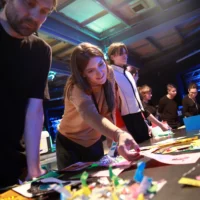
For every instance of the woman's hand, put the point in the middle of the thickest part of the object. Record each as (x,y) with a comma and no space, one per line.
(125,143)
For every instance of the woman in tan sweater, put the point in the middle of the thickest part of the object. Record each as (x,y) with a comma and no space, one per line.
(89,110)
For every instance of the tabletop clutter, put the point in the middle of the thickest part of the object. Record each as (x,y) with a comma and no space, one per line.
(100,180)
(138,187)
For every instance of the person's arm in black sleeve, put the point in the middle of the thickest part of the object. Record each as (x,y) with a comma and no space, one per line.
(186,112)
(161,107)
(146,113)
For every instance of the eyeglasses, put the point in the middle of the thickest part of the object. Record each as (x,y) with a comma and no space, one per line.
(193,92)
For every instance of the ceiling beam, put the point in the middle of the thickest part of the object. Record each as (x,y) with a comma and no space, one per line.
(95,17)
(171,55)
(176,28)
(64,4)
(154,43)
(159,23)
(54,43)
(66,33)
(59,16)
(113,12)
(122,3)
(60,51)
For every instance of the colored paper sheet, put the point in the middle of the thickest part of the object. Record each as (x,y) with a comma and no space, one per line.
(191,177)
(173,159)
(77,166)
(12,195)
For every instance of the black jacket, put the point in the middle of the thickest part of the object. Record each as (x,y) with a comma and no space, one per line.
(190,107)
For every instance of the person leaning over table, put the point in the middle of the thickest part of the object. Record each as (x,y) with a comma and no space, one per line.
(89,111)
(190,104)
(25,63)
(130,104)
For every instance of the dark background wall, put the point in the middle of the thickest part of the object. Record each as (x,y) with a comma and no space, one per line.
(159,76)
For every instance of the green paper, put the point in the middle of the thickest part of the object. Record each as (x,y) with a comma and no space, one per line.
(50,174)
(84,177)
(115,180)
(93,165)
(153,188)
(111,172)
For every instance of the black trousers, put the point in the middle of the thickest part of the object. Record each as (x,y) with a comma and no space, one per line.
(136,126)
(69,152)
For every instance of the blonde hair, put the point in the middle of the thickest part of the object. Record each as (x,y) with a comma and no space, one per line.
(116,48)
(143,90)
(79,59)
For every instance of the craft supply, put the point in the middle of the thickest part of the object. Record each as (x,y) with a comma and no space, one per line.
(139,172)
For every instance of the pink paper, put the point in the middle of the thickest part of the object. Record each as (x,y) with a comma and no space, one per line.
(173,159)
(77,166)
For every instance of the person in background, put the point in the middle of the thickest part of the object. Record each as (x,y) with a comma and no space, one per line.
(130,104)
(167,108)
(89,111)
(26,60)
(134,71)
(146,95)
(190,105)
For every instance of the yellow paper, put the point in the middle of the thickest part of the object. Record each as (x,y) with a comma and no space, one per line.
(189,181)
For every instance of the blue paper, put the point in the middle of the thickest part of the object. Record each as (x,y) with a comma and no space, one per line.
(192,123)
(139,173)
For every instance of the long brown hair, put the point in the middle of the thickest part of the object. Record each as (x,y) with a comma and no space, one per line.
(79,59)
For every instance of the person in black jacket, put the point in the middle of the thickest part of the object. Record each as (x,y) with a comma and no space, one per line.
(190,105)
(168,107)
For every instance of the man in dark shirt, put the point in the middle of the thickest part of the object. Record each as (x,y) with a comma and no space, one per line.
(25,62)
(168,107)
(191,106)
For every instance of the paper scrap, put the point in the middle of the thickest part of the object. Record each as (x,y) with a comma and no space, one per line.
(105,173)
(173,159)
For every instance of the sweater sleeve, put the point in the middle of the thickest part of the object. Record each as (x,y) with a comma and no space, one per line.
(88,111)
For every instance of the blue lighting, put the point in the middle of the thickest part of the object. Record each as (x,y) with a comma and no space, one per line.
(51,75)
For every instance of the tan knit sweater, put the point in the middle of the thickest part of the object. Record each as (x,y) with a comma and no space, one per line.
(81,121)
